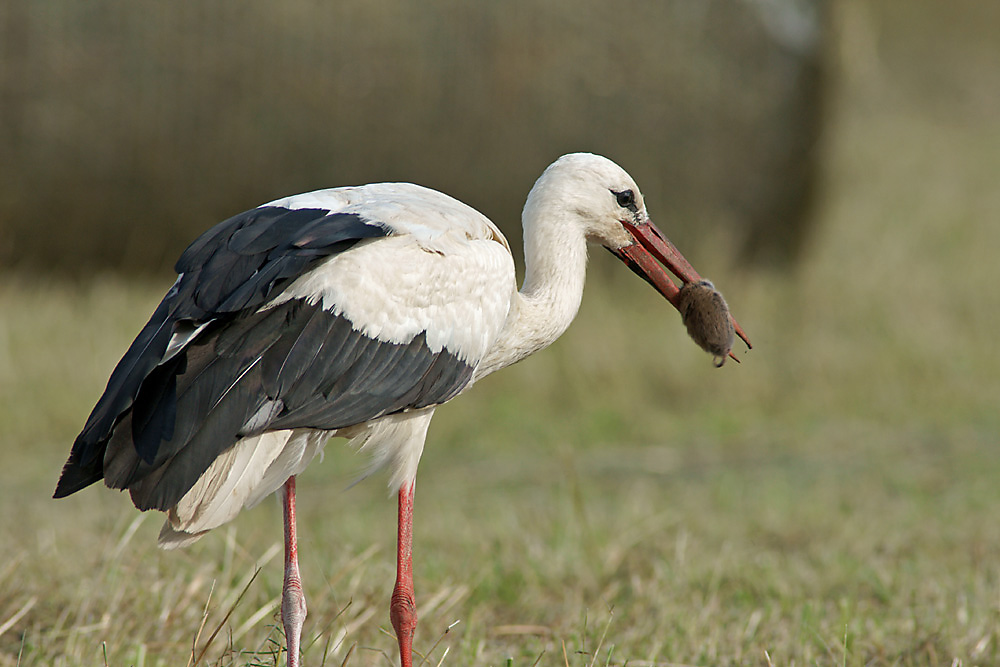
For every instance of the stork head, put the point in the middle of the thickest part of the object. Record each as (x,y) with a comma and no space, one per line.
(607,202)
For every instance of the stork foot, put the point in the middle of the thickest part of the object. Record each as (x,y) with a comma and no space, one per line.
(403,614)
(293,615)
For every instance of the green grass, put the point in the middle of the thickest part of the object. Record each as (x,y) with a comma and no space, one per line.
(831,501)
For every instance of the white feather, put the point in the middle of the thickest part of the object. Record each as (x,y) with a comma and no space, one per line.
(300,450)
(222,490)
(394,443)
(184,333)
(258,466)
(405,208)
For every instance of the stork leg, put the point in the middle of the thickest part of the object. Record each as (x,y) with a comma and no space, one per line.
(403,609)
(293,601)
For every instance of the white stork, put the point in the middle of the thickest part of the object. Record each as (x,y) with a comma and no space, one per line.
(350,312)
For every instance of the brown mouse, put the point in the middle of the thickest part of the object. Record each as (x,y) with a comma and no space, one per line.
(706,316)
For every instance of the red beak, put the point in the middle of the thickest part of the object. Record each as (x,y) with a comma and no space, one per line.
(648,252)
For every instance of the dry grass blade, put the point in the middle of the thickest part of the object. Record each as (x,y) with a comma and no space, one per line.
(201,627)
(10,566)
(225,618)
(204,620)
(350,652)
(520,629)
(425,657)
(326,628)
(255,618)
(604,634)
(123,541)
(380,651)
(25,608)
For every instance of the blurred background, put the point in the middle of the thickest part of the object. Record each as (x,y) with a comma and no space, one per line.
(128,128)
(831,165)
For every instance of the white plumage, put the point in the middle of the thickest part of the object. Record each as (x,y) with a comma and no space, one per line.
(458,295)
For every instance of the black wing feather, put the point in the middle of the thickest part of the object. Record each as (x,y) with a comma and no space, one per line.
(282,371)
(85,465)
(235,267)
(366,378)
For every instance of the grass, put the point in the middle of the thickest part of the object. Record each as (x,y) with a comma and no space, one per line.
(616,500)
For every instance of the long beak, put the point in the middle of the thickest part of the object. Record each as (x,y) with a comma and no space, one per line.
(645,256)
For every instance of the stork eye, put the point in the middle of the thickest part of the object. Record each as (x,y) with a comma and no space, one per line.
(626,199)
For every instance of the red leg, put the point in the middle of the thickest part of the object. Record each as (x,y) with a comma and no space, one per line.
(293,602)
(403,609)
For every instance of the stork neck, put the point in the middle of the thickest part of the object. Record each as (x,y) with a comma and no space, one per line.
(555,257)
(555,261)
